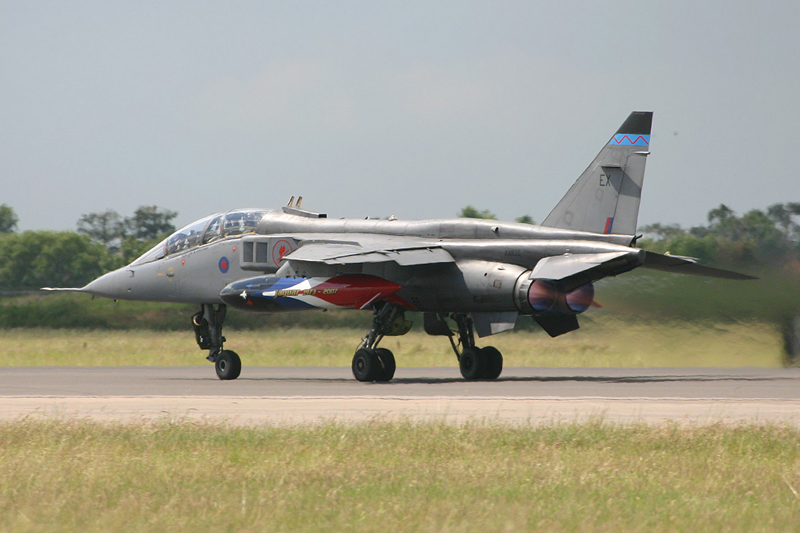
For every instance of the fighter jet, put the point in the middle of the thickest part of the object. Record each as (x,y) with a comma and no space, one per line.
(466,276)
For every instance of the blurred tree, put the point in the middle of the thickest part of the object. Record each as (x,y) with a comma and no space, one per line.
(8,219)
(782,215)
(525,219)
(150,222)
(35,259)
(720,214)
(661,231)
(106,228)
(471,212)
(756,236)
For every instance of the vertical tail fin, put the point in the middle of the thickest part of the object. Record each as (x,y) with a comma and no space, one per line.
(605,198)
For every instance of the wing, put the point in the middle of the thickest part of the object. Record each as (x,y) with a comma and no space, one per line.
(403,251)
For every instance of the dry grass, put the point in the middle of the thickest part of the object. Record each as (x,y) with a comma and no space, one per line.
(81,476)
(597,344)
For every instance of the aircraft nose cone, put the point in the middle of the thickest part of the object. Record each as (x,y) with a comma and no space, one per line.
(108,285)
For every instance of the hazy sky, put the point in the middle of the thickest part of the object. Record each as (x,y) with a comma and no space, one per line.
(374,108)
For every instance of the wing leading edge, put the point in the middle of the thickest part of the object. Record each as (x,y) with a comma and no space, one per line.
(353,253)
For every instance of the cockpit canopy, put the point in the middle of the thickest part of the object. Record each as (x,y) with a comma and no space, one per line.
(205,231)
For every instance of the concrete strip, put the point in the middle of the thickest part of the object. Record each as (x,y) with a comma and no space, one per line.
(253,411)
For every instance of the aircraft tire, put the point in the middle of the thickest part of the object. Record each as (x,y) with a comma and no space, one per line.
(228,365)
(494,362)
(472,364)
(387,364)
(366,365)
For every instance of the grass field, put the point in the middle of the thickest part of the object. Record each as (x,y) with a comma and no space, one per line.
(380,476)
(610,343)
(75,475)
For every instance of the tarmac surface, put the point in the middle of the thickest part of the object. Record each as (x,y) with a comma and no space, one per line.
(301,395)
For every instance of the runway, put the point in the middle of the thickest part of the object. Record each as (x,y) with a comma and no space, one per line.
(301,395)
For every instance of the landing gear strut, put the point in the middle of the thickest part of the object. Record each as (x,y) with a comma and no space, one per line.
(371,363)
(207,326)
(475,363)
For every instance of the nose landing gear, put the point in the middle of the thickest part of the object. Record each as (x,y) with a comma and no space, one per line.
(207,326)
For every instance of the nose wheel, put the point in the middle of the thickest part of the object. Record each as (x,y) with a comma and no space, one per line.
(228,365)
(207,326)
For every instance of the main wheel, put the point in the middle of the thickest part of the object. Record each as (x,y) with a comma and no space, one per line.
(388,365)
(494,362)
(472,363)
(228,365)
(366,365)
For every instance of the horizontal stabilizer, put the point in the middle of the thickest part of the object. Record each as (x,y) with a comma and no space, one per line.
(562,266)
(575,270)
(685,265)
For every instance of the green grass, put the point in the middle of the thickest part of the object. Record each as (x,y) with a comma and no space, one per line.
(79,476)
(602,342)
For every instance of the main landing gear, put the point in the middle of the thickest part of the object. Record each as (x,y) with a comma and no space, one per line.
(208,333)
(371,363)
(475,363)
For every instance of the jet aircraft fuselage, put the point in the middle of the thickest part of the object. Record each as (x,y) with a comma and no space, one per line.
(448,250)
(479,275)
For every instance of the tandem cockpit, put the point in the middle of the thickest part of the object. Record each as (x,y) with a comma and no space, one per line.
(205,231)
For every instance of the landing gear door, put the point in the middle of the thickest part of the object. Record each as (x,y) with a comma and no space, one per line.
(265,254)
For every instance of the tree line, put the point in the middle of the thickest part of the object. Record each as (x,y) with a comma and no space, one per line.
(106,240)
(759,237)
(103,242)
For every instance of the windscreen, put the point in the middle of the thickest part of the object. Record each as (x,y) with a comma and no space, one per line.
(204,231)
(182,239)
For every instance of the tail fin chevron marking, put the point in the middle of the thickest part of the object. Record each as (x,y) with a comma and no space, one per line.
(609,191)
(624,139)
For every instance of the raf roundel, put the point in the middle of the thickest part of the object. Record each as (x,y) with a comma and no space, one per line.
(223,265)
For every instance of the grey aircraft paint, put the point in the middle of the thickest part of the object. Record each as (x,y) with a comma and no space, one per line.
(479,275)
